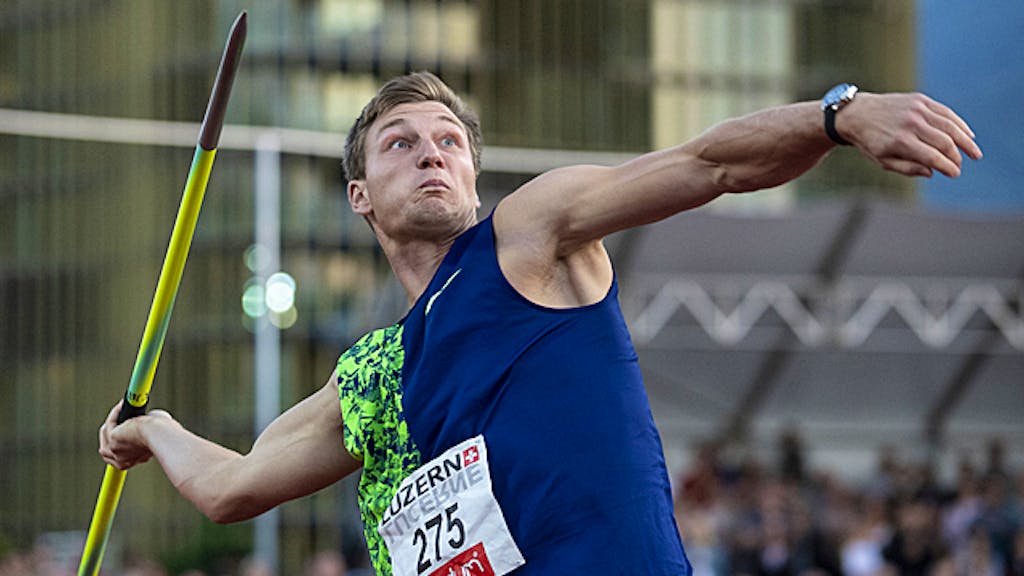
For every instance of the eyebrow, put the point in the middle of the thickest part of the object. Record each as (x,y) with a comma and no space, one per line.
(401,121)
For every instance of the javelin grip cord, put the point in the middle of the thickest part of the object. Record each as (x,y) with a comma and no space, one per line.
(129,410)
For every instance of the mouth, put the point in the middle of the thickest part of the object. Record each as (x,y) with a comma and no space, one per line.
(434,184)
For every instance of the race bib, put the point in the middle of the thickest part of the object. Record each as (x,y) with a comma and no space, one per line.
(445,521)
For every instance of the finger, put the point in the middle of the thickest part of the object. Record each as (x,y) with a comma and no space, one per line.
(911,156)
(941,142)
(947,120)
(117,463)
(107,453)
(913,146)
(108,423)
(947,112)
(935,160)
(102,439)
(160,413)
(112,415)
(906,167)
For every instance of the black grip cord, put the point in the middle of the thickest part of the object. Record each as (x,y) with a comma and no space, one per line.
(128,411)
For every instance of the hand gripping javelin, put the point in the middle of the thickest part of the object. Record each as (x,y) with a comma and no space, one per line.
(137,397)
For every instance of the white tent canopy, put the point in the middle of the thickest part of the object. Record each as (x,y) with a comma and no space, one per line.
(860,324)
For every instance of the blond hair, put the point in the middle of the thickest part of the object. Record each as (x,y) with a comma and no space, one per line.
(411,88)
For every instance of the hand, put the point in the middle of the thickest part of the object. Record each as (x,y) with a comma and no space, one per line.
(124,445)
(910,134)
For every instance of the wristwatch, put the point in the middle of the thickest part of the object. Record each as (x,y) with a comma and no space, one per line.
(833,102)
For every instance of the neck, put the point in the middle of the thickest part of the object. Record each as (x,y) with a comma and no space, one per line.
(414,262)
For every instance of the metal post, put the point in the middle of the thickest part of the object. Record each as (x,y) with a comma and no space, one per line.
(268,336)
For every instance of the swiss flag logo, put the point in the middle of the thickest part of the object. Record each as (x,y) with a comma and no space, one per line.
(470,455)
(472,562)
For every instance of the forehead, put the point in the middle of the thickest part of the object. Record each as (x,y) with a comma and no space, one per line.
(414,114)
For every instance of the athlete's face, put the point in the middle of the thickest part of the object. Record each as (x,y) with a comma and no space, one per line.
(420,180)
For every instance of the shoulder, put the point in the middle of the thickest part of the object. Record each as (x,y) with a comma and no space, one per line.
(369,380)
(541,255)
(559,212)
(548,200)
(377,348)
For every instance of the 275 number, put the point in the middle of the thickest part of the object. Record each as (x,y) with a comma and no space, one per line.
(434,523)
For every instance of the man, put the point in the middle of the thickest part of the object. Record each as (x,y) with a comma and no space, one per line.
(502,424)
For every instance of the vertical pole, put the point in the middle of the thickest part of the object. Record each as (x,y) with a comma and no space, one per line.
(268,336)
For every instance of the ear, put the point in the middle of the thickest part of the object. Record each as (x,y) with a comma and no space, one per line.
(357,197)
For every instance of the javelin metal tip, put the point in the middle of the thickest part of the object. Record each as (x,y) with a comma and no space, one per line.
(240,22)
(213,121)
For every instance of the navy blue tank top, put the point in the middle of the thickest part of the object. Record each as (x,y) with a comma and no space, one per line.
(576,462)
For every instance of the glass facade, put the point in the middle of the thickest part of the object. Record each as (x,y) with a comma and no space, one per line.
(85,222)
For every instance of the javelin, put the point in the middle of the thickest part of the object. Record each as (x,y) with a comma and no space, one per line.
(136,399)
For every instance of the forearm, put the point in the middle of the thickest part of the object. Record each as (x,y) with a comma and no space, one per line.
(204,472)
(909,134)
(299,453)
(763,149)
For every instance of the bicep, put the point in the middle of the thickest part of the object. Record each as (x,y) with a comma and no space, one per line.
(579,204)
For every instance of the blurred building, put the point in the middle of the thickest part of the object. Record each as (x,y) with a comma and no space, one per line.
(975,78)
(85,222)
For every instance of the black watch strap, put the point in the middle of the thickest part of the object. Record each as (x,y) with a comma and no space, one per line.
(830,127)
(834,100)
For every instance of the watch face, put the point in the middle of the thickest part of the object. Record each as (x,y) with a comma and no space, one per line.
(838,96)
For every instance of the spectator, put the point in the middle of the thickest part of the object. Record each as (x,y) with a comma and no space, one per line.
(791,456)
(1016,564)
(326,563)
(978,558)
(252,566)
(143,567)
(837,509)
(701,532)
(999,514)
(964,510)
(996,468)
(701,514)
(16,564)
(914,548)
(861,554)
(883,484)
(814,552)
(699,486)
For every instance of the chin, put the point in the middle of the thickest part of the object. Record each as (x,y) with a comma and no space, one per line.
(433,217)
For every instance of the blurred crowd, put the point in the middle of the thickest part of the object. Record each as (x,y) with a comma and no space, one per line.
(40,562)
(752,519)
(748,518)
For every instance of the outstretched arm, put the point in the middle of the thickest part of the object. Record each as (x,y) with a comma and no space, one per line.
(549,231)
(910,134)
(299,453)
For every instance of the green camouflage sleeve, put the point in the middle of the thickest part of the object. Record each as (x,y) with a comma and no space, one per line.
(374,428)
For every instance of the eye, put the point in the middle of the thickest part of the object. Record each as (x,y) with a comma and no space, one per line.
(449,142)
(399,145)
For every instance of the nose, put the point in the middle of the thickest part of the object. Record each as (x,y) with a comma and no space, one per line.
(430,155)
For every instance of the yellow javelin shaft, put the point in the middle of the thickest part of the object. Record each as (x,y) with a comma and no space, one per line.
(137,395)
(149,351)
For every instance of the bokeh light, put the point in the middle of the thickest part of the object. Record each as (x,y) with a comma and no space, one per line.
(280,292)
(253,299)
(256,257)
(286,319)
